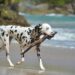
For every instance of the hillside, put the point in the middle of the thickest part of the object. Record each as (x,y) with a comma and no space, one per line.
(48,6)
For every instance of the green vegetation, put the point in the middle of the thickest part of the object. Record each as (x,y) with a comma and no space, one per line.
(54,2)
(64,5)
(9,13)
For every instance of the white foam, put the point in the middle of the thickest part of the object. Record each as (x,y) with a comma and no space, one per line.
(48,45)
(64,34)
(53,14)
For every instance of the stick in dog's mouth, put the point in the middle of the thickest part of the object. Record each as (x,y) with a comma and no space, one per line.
(38,42)
(52,35)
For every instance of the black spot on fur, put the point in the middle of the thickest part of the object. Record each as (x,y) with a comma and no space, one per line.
(39,25)
(4,39)
(32,40)
(6,34)
(38,49)
(7,54)
(35,33)
(22,55)
(24,44)
(38,54)
(10,38)
(17,35)
(20,36)
(23,37)
(38,30)
(4,44)
(28,32)
(11,26)
(11,32)
(26,40)
(3,33)
(15,30)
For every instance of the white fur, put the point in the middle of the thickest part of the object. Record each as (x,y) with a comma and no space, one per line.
(45,28)
(41,65)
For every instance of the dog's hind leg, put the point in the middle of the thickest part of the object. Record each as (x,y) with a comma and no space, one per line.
(6,42)
(39,57)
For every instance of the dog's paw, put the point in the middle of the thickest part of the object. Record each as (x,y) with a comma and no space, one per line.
(41,65)
(12,65)
(19,62)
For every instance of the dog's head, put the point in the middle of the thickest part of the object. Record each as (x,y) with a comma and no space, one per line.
(45,29)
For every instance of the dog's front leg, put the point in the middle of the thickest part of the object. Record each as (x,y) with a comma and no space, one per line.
(39,57)
(6,42)
(22,56)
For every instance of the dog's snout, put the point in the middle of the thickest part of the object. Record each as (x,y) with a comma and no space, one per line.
(53,33)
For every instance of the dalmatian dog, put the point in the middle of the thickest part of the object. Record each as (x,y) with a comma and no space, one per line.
(24,36)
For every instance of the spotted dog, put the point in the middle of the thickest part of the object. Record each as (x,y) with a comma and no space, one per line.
(24,36)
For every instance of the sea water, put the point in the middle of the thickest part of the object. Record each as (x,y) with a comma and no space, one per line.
(63,24)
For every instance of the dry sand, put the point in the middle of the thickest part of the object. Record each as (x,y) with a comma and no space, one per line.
(57,60)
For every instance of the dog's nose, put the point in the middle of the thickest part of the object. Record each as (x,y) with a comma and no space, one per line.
(53,33)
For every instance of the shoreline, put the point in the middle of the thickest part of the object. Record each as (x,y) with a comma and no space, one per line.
(57,46)
(55,59)
(16,71)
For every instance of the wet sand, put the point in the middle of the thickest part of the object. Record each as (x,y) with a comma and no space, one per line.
(57,61)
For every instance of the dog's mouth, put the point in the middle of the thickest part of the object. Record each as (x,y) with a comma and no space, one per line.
(51,35)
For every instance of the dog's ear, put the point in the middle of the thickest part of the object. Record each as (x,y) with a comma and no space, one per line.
(39,25)
(38,28)
(36,31)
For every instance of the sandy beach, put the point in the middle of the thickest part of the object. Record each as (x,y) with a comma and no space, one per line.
(57,60)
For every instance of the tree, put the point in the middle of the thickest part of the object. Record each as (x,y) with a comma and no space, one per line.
(9,13)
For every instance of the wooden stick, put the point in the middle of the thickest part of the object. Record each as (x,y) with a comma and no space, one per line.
(37,42)
(34,44)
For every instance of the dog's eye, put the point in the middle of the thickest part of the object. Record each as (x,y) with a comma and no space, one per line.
(47,28)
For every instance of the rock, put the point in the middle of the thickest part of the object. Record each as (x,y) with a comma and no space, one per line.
(69,8)
(8,16)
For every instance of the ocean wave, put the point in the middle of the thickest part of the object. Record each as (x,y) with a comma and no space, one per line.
(65,46)
(63,24)
(53,14)
(64,34)
(59,15)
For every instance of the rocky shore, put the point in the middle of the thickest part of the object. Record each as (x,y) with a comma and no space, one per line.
(44,8)
(9,14)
